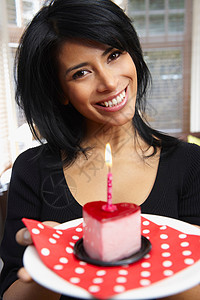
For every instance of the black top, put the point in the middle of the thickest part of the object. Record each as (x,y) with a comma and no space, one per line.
(40,192)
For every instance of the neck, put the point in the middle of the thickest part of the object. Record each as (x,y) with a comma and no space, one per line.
(98,135)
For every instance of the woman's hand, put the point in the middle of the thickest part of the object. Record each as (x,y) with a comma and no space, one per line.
(23,237)
(31,291)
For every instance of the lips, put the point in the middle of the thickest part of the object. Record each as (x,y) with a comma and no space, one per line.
(115,103)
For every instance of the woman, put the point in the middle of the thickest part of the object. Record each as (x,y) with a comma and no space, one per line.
(82,81)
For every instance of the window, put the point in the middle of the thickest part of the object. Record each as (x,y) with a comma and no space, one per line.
(164,28)
(14,15)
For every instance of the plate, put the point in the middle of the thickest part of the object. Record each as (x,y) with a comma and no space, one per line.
(179,282)
(80,253)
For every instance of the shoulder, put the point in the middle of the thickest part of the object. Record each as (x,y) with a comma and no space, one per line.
(188,151)
(32,159)
(184,159)
(29,156)
(184,150)
(187,159)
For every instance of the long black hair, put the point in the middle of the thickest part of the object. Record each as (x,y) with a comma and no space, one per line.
(38,90)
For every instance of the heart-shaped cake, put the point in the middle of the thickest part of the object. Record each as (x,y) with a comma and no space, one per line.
(110,236)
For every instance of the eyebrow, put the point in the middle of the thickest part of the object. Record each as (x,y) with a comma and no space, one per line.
(108,50)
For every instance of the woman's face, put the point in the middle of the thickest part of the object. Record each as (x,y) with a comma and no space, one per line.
(99,81)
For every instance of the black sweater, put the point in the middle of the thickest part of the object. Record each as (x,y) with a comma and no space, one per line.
(40,192)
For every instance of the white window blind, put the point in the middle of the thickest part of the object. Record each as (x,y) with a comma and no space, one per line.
(164,28)
(7,149)
(14,15)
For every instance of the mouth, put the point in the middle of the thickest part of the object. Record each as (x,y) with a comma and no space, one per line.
(114,103)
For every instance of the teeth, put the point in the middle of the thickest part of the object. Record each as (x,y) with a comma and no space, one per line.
(110,103)
(119,99)
(114,101)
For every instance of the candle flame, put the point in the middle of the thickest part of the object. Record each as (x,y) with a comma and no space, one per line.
(108,155)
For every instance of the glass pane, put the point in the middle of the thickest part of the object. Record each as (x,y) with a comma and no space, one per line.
(156,24)
(176,23)
(156,4)
(166,111)
(176,4)
(136,5)
(139,24)
(11,11)
(28,11)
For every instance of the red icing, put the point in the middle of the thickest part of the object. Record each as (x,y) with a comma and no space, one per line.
(96,211)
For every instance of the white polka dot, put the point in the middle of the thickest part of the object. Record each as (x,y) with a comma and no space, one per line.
(40,226)
(145,265)
(184,244)
(75,237)
(82,263)
(79,229)
(97,280)
(164,236)
(94,289)
(123,272)
(52,241)
(45,251)
(163,227)
(186,252)
(146,223)
(119,288)
(69,250)
(147,256)
(165,246)
(167,263)
(145,273)
(35,231)
(145,231)
(59,232)
(74,280)
(121,279)
(182,236)
(166,254)
(58,267)
(72,244)
(168,272)
(56,236)
(189,261)
(63,260)
(101,273)
(145,282)
(79,270)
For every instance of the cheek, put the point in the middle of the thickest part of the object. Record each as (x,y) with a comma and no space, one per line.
(77,95)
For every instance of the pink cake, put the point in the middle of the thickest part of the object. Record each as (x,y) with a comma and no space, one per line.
(109,236)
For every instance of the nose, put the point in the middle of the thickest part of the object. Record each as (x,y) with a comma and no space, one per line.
(106,80)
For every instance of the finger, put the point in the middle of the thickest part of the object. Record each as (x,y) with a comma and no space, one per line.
(24,275)
(51,223)
(23,237)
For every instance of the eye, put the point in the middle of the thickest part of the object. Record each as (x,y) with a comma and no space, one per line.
(79,74)
(114,55)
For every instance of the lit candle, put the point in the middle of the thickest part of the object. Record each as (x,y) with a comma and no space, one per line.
(108,160)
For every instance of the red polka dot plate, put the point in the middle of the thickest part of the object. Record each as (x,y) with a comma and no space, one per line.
(172,266)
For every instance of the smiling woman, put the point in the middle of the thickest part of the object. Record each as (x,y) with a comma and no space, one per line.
(98,81)
(83,86)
